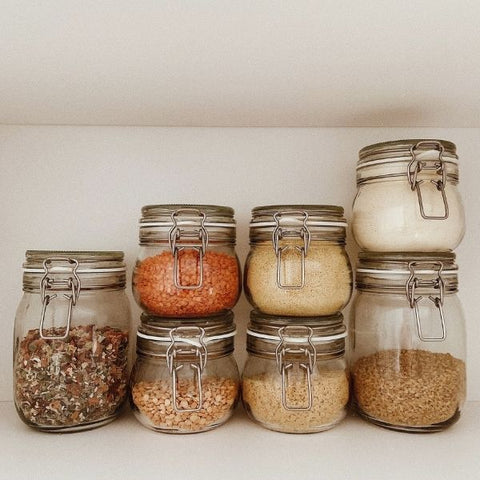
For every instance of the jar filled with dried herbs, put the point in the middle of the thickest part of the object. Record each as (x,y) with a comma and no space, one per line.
(295,379)
(71,340)
(185,379)
(187,266)
(297,264)
(408,341)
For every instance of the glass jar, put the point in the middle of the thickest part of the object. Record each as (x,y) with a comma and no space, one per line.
(295,379)
(297,264)
(407,197)
(408,341)
(187,266)
(71,340)
(185,379)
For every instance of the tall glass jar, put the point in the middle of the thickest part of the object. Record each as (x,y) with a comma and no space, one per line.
(408,341)
(185,379)
(297,264)
(295,379)
(187,266)
(407,197)
(71,340)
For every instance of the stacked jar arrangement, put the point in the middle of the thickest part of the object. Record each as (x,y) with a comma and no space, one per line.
(407,332)
(187,280)
(298,278)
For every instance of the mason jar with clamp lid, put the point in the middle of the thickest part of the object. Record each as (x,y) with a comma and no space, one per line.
(71,340)
(185,378)
(407,197)
(297,264)
(187,266)
(295,379)
(408,341)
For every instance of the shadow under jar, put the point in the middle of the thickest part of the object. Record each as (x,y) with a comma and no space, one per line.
(185,379)
(187,266)
(295,379)
(408,341)
(407,197)
(71,340)
(297,264)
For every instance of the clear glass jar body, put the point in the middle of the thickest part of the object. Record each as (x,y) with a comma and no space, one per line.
(397,211)
(262,395)
(152,394)
(154,281)
(187,265)
(407,367)
(71,377)
(297,264)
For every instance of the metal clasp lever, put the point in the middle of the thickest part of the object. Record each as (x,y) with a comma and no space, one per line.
(416,166)
(286,357)
(279,233)
(414,282)
(48,282)
(193,237)
(187,342)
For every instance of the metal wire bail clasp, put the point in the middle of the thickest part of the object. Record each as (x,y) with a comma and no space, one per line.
(296,348)
(414,282)
(48,282)
(184,237)
(280,232)
(187,347)
(416,166)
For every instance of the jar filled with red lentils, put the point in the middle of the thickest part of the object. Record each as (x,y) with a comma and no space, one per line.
(297,264)
(187,265)
(185,379)
(71,340)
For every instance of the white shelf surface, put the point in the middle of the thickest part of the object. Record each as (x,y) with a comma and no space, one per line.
(240,63)
(240,450)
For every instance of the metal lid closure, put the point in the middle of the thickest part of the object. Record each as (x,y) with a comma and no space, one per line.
(68,272)
(186,346)
(417,276)
(187,227)
(435,158)
(296,346)
(291,229)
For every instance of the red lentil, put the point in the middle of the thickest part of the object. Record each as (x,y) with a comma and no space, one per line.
(157,293)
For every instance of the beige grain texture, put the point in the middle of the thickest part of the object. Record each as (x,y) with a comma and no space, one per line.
(328,280)
(154,401)
(409,387)
(262,396)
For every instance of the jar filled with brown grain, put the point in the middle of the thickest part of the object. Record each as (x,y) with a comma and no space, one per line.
(408,341)
(185,379)
(297,264)
(71,340)
(187,266)
(295,379)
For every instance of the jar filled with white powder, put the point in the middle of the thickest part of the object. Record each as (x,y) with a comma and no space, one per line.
(407,198)
(297,264)
(295,379)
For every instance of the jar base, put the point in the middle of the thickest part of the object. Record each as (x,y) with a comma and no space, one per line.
(435,427)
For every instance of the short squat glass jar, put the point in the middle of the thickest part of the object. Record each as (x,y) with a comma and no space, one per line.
(408,341)
(187,266)
(185,379)
(295,379)
(71,340)
(297,264)
(407,197)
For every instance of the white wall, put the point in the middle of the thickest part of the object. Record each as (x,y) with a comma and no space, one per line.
(83,187)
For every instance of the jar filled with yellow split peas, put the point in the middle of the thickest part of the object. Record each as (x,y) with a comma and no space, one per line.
(297,264)
(295,379)
(185,379)
(187,266)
